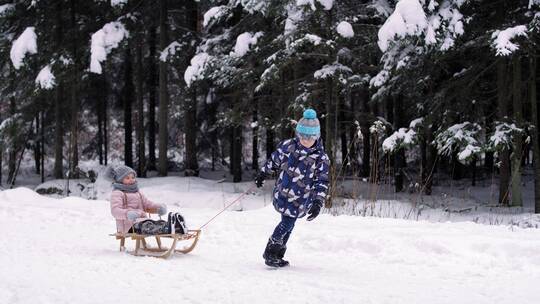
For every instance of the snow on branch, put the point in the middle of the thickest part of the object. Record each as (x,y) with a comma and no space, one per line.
(503,136)
(119,3)
(6,8)
(326,4)
(45,79)
(399,139)
(26,43)
(215,13)
(244,42)
(194,71)
(462,138)
(502,44)
(170,50)
(408,18)
(345,29)
(103,42)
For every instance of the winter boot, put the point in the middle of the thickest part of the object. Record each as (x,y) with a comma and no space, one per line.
(281,254)
(271,254)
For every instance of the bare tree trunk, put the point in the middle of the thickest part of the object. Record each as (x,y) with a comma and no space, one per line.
(163,92)
(37,145)
(536,125)
(399,155)
(517,152)
(141,158)
(152,85)
(270,144)
(42,135)
(127,98)
(74,138)
(190,122)
(58,134)
(58,100)
(236,158)
(504,157)
(255,142)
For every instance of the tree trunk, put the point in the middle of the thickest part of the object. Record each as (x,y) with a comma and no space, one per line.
(504,157)
(399,155)
(190,125)
(163,92)
(127,98)
(58,134)
(37,145)
(152,85)
(236,157)
(536,125)
(75,104)
(42,141)
(255,143)
(270,144)
(141,158)
(58,100)
(517,152)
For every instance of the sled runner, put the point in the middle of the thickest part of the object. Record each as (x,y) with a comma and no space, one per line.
(142,248)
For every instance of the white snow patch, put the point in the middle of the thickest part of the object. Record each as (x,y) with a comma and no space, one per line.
(215,12)
(197,64)
(326,4)
(5,8)
(502,39)
(118,2)
(408,18)
(345,29)
(45,78)
(26,43)
(244,42)
(103,42)
(169,51)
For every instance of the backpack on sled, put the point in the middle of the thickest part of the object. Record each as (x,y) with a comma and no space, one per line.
(175,224)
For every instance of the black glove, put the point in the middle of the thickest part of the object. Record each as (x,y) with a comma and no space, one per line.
(259,179)
(314,210)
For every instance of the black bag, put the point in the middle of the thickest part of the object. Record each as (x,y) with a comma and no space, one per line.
(151,227)
(175,224)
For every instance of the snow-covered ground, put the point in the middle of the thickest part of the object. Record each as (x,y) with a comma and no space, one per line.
(59,251)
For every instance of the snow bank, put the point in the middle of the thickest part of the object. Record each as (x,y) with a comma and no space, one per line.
(345,29)
(45,79)
(502,39)
(61,251)
(26,43)
(103,42)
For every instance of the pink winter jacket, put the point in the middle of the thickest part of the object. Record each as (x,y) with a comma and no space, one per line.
(122,202)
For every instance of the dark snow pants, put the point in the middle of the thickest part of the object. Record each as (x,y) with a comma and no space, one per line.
(283,230)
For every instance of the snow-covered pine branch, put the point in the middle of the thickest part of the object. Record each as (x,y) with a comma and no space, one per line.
(463,138)
(25,44)
(103,42)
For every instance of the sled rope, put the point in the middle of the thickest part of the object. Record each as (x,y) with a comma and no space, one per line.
(230,204)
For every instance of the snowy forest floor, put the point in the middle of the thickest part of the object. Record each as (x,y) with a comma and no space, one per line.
(58,251)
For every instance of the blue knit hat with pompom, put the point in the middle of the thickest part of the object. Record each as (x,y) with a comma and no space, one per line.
(308,127)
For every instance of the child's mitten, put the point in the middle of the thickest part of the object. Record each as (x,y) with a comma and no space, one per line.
(162,210)
(314,210)
(132,215)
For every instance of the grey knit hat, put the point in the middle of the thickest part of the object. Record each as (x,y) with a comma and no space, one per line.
(118,174)
(308,127)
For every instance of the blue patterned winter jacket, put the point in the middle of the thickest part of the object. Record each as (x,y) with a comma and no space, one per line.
(303,176)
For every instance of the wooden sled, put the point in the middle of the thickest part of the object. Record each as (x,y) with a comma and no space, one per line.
(142,248)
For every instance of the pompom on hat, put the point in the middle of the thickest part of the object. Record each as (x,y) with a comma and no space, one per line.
(309,127)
